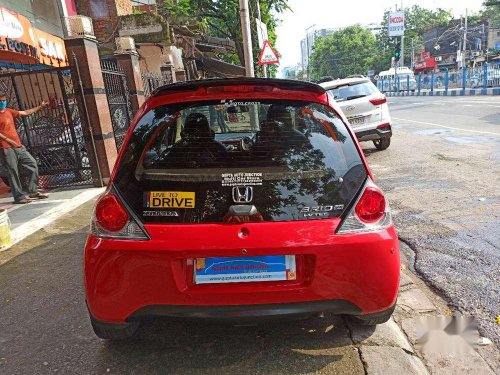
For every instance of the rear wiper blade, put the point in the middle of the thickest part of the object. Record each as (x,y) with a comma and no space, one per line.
(354,97)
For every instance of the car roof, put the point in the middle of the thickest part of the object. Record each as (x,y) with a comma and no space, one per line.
(341,82)
(282,84)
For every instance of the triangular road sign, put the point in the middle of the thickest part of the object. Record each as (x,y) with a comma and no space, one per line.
(268,55)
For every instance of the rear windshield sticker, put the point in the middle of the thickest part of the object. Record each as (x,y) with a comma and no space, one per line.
(169,199)
(160,213)
(238,179)
(233,103)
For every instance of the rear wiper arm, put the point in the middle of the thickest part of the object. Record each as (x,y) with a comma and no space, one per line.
(354,97)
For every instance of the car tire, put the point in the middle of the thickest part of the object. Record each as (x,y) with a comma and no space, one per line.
(114,331)
(382,144)
(373,319)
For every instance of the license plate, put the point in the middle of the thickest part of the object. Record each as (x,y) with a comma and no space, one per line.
(244,269)
(357,121)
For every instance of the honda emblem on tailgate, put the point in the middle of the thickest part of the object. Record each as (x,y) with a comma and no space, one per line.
(242,194)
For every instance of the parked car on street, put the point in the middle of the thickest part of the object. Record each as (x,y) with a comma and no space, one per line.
(365,107)
(274,214)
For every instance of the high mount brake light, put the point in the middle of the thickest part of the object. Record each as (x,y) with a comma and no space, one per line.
(239,89)
(378,101)
(110,214)
(370,212)
(371,206)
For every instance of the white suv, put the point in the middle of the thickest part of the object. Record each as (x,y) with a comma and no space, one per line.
(365,107)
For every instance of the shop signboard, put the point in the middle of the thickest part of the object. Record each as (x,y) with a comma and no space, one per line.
(396,24)
(24,44)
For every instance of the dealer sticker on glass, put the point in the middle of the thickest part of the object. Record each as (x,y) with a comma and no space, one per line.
(245,269)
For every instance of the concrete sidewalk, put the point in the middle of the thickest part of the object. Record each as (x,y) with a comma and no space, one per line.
(28,218)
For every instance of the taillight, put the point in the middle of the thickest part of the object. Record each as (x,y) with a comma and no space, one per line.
(109,213)
(370,212)
(371,206)
(111,220)
(378,101)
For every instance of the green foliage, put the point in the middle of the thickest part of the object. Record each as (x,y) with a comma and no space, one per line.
(491,11)
(345,52)
(221,18)
(417,21)
(355,50)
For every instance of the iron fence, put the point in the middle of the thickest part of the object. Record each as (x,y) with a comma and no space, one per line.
(483,77)
(115,84)
(55,134)
(151,82)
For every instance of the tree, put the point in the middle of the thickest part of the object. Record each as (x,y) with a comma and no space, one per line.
(417,21)
(492,12)
(221,18)
(345,52)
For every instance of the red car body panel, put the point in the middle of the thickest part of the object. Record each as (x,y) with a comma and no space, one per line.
(123,276)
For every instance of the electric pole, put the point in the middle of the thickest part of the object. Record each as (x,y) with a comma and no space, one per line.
(402,42)
(464,46)
(412,55)
(264,67)
(247,38)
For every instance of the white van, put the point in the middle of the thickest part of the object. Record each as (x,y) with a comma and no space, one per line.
(387,82)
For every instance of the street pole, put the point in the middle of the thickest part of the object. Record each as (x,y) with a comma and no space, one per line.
(247,38)
(464,46)
(402,42)
(412,55)
(264,67)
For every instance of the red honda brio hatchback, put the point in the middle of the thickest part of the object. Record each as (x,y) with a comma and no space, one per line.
(239,200)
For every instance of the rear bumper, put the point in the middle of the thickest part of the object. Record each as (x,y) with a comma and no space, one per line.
(345,274)
(374,134)
(248,313)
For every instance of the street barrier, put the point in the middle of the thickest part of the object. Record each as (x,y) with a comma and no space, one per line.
(483,80)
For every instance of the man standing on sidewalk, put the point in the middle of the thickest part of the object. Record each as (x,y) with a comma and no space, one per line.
(15,156)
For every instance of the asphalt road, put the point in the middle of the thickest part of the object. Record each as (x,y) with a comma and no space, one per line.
(441,174)
(44,327)
(441,184)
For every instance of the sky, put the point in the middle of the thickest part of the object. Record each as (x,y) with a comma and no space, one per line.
(339,13)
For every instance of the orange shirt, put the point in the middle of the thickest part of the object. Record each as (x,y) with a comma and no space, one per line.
(8,127)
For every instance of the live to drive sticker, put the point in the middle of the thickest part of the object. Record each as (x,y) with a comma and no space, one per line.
(169,199)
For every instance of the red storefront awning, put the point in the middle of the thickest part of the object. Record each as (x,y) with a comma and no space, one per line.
(428,64)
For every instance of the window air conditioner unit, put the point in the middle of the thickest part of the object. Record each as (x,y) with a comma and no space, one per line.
(79,27)
(125,44)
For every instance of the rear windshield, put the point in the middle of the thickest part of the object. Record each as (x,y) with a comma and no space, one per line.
(353,91)
(233,161)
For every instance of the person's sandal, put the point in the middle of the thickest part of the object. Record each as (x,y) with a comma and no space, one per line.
(22,201)
(38,195)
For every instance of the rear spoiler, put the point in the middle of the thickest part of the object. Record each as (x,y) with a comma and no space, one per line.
(282,84)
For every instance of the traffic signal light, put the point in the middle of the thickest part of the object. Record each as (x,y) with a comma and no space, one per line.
(397,52)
